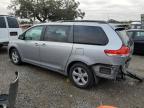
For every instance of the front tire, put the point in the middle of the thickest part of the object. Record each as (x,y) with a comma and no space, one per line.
(81,75)
(15,57)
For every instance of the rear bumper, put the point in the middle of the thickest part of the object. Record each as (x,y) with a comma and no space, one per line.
(110,71)
(107,71)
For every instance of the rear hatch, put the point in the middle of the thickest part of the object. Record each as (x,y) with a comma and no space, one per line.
(13,28)
(127,41)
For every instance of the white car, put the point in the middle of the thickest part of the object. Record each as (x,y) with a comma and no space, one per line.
(9,29)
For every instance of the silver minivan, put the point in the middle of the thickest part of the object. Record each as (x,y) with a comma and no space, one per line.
(83,50)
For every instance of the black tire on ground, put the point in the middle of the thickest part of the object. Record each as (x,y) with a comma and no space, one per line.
(86,71)
(1,45)
(14,53)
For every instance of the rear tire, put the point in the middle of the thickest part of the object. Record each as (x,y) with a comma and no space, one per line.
(15,57)
(81,76)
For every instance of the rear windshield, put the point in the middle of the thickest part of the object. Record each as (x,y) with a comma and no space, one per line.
(12,22)
(123,35)
(2,22)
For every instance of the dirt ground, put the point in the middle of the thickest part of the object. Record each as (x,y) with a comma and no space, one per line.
(41,88)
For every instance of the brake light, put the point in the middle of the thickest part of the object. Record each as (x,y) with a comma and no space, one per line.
(123,51)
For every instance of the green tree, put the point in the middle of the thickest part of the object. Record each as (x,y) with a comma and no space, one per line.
(43,10)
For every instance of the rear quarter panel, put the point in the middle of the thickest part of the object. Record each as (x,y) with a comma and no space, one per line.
(94,54)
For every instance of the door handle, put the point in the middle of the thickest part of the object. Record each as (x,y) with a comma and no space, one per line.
(43,44)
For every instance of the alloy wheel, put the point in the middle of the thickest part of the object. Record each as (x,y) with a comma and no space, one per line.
(15,57)
(80,76)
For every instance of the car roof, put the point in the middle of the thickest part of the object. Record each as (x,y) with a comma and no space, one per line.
(135,30)
(71,22)
(92,21)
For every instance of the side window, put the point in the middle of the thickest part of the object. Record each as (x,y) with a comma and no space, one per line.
(89,35)
(12,22)
(57,33)
(2,22)
(34,33)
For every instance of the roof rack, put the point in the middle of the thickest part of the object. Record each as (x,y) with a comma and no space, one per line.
(8,15)
(3,15)
(96,21)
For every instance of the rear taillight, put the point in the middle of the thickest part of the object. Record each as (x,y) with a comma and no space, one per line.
(123,51)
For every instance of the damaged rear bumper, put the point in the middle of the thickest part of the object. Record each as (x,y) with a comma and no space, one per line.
(107,71)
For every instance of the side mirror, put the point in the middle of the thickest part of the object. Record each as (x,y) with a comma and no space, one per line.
(21,37)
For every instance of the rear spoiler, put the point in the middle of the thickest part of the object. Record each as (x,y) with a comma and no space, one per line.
(119,28)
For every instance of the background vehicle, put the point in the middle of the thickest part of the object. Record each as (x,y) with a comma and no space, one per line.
(9,29)
(83,50)
(138,37)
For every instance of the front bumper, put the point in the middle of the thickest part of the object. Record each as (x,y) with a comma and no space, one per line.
(4,43)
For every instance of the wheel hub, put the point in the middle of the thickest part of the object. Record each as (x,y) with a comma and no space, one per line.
(15,57)
(80,76)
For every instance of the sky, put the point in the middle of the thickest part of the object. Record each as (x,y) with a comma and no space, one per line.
(121,10)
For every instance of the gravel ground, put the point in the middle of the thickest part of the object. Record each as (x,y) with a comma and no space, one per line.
(41,88)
